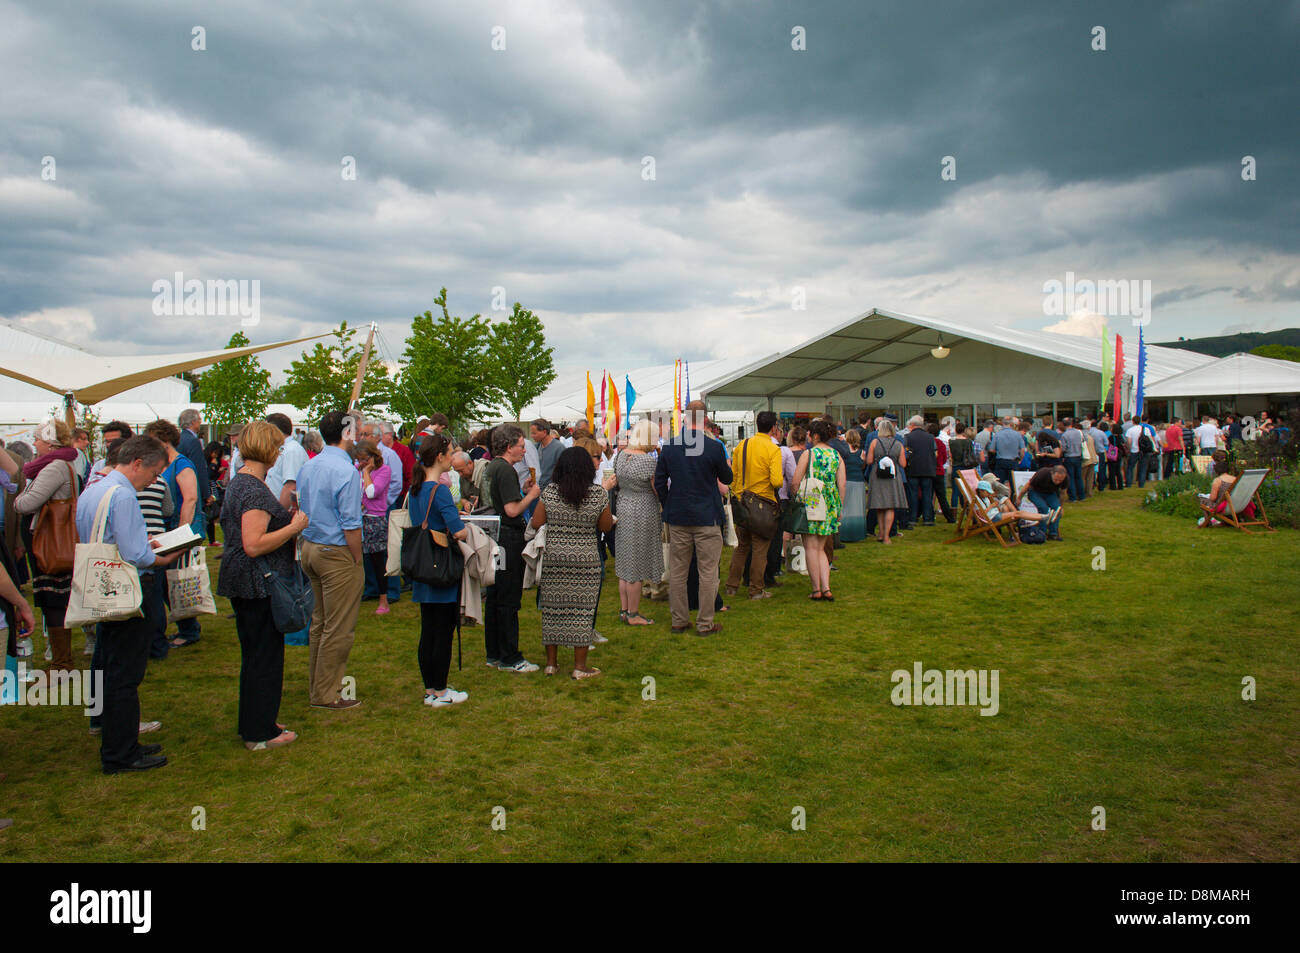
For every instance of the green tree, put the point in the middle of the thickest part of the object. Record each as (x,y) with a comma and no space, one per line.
(519,359)
(233,391)
(446,366)
(321,380)
(1282,352)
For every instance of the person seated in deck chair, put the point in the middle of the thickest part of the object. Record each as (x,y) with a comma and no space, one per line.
(998,510)
(1221,489)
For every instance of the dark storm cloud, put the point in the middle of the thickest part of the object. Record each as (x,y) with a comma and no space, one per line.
(522,168)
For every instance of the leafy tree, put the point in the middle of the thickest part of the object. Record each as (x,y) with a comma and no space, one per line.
(235,390)
(520,361)
(446,366)
(321,380)
(1282,352)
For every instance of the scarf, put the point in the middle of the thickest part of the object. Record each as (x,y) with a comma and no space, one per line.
(40,463)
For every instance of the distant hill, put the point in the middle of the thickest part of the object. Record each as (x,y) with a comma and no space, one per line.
(1232,343)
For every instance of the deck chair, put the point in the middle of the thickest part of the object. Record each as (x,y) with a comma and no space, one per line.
(1244,492)
(978,523)
(971,478)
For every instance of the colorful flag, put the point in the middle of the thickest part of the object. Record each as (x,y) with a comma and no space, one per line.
(688,385)
(600,429)
(1119,376)
(1142,368)
(612,432)
(630,395)
(591,405)
(1107,359)
(677,396)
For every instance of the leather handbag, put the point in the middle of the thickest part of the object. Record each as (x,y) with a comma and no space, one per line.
(428,559)
(758,514)
(795,518)
(54,537)
(292,598)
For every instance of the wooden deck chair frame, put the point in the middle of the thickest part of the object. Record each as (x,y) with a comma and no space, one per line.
(1244,492)
(970,478)
(979,523)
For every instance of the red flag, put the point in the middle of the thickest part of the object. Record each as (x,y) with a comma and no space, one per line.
(1119,375)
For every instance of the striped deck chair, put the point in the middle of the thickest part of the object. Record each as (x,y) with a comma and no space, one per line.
(978,523)
(1244,492)
(971,478)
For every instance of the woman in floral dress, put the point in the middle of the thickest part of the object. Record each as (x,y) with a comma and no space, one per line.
(823,463)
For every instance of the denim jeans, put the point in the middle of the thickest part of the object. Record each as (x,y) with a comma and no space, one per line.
(1048,504)
(1074,471)
(1002,470)
(920,497)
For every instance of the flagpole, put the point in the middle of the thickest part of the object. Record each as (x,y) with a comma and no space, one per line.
(361,368)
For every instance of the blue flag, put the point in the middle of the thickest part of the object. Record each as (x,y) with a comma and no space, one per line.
(1142,368)
(630,395)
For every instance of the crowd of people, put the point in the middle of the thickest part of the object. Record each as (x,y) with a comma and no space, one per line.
(662,506)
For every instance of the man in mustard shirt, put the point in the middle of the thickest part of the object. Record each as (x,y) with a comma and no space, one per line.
(756,463)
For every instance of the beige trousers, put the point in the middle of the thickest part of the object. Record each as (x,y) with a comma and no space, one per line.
(706,544)
(337,581)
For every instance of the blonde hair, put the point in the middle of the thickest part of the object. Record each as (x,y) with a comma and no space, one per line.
(260,441)
(643,436)
(55,432)
(854,439)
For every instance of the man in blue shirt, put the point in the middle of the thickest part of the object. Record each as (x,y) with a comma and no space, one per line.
(191,446)
(1006,447)
(686,480)
(329,492)
(123,646)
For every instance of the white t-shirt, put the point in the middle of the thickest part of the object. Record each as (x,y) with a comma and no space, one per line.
(1206,436)
(1132,435)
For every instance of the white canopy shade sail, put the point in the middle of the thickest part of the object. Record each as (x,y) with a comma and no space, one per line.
(93,378)
(1233,376)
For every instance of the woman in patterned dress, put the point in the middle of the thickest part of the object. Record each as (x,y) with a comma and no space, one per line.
(824,463)
(638,551)
(574,510)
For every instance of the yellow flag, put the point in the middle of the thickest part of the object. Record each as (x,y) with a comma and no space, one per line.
(591,406)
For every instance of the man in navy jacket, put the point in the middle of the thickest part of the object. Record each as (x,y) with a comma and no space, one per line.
(686,479)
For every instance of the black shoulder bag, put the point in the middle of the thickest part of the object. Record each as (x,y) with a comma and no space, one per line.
(758,514)
(427,559)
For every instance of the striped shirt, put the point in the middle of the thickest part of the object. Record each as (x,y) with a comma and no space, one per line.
(151,506)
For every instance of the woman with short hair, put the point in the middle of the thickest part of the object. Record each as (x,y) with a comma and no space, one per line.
(638,549)
(574,509)
(260,536)
(887,494)
(49,477)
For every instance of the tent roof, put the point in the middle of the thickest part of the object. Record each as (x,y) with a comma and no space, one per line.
(879,341)
(94,377)
(1231,376)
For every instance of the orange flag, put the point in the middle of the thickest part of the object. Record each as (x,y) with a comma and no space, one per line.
(591,405)
(613,426)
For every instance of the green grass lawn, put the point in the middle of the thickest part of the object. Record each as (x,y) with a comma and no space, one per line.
(1119,688)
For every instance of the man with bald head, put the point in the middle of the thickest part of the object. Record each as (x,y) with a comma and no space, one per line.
(473,481)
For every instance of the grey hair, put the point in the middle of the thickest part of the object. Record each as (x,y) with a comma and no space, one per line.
(886,428)
(188,418)
(917,421)
(386,427)
(313,441)
(456,458)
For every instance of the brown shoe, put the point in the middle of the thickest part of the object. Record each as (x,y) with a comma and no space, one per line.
(711,630)
(679,628)
(339,704)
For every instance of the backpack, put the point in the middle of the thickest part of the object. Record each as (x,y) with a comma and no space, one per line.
(885,470)
(1144,443)
(1032,533)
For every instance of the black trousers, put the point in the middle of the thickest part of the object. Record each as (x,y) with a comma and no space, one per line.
(123,650)
(501,605)
(437,626)
(261,669)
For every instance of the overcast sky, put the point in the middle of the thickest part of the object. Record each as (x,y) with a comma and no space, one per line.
(774,168)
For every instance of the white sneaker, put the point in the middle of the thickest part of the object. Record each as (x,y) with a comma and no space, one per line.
(49,655)
(25,647)
(597,638)
(90,646)
(523,666)
(446,699)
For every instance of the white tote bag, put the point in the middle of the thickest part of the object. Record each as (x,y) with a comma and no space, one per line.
(189,592)
(398,520)
(105,588)
(728,524)
(812,494)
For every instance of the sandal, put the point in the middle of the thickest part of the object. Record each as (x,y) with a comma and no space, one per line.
(622,615)
(284,738)
(637,615)
(827,596)
(578,674)
(816,596)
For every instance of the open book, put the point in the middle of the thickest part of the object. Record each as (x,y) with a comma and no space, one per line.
(181,538)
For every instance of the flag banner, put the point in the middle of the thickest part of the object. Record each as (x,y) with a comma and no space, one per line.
(600,427)
(1119,376)
(1107,361)
(614,421)
(630,396)
(677,396)
(591,405)
(688,385)
(1142,368)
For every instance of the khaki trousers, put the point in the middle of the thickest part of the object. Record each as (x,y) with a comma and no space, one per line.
(747,542)
(706,544)
(336,581)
